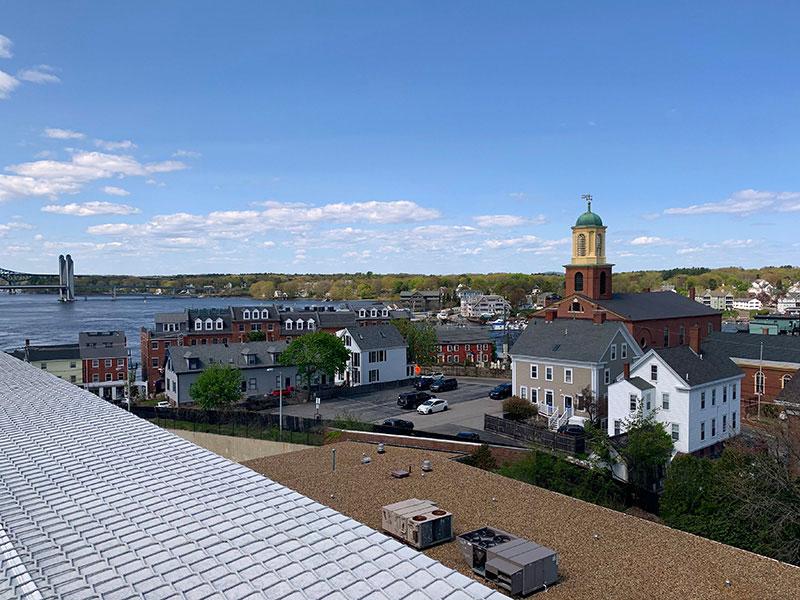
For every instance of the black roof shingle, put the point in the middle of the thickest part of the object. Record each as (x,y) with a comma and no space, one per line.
(376,337)
(710,365)
(777,348)
(567,339)
(656,305)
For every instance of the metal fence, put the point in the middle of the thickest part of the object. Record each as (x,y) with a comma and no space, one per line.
(237,423)
(472,371)
(538,436)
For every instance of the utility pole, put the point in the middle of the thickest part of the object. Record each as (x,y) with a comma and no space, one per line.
(760,378)
(280,404)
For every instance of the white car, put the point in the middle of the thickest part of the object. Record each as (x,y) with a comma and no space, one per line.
(163,404)
(431,406)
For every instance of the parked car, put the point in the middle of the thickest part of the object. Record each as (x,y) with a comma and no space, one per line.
(501,391)
(288,391)
(412,400)
(444,385)
(163,404)
(399,423)
(423,383)
(471,436)
(568,429)
(431,406)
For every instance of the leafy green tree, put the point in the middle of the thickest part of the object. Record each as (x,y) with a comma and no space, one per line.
(257,336)
(482,458)
(315,354)
(217,388)
(421,340)
(262,289)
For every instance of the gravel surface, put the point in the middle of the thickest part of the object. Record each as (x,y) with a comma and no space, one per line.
(631,558)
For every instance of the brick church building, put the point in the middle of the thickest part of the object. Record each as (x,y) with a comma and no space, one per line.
(654,319)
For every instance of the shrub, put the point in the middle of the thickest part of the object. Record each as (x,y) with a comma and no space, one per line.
(482,458)
(519,409)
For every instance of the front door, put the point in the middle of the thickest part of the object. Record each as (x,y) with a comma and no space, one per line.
(567,403)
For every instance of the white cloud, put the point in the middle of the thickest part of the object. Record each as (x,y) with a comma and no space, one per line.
(186,154)
(116,191)
(507,220)
(114,146)
(5,47)
(41,74)
(6,228)
(743,202)
(513,242)
(268,244)
(397,211)
(90,209)
(62,134)
(52,177)
(7,85)
(648,240)
(691,250)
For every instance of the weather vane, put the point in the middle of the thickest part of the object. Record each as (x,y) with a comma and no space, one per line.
(588,198)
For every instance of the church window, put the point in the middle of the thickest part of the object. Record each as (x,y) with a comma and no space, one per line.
(599,245)
(578,281)
(603,282)
(581,245)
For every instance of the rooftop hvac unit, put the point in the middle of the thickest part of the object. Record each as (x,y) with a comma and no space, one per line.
(419,523)
(513,563)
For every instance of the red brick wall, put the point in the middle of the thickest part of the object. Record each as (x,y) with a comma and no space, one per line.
(591,280)
(772,382)
(118,373)
(460,351)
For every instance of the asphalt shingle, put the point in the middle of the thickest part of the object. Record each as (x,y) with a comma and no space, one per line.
(566,339)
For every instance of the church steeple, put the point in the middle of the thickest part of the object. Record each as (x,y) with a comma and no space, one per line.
(588,273)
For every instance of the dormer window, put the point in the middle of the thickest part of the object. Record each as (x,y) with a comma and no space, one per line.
(299,324)
(219,324)
(385,312)
(245,314)
(288,324)
(265,314)
(362,313)
(310,324)
(374,312)
(209,324)
(198,325)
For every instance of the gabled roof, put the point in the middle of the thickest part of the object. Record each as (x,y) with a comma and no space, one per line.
(337,319)
(98,503)
(579,340)
(655,305)
(710,365)
(172,317)
(224,354)
(272,311)
(462,335)
(376,337)
(747,346)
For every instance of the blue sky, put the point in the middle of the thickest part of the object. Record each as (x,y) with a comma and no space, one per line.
(164,137)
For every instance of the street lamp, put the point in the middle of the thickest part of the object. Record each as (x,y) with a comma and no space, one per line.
(280,403)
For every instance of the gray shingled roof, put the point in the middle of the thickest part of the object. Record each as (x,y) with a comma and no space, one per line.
(272,311)
(777,348)
(566,339)
(230,354)
(172,317)
(118,347)
(640,383)
(655,305)
(376,337)
(98,503)
(45,353)
(695,370)
(462,335)
(336,319)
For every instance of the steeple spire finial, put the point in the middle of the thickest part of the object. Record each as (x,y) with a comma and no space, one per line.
(588,198)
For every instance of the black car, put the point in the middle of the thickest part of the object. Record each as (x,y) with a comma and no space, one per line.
(412,400)
(472,436)
(444,385)
(501,391)
(423,383)
(398,423)
(575,430)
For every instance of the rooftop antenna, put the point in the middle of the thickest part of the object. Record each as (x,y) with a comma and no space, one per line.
(588,198)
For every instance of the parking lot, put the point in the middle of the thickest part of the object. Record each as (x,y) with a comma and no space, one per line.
(467,405)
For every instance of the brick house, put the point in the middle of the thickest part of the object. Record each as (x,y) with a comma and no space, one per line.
(654,319)
(104,358)
(464,345)
(766,371)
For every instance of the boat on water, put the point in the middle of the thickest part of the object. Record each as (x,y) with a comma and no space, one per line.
(443,315)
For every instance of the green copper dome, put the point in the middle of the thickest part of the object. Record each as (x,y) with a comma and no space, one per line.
(589,219)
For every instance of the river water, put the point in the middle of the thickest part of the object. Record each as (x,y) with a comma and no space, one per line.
(43,319)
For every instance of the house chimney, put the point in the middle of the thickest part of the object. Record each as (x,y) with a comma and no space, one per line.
(694,338)
(599,317)
(550,314)
(27,350)
(626,369)
(692,293)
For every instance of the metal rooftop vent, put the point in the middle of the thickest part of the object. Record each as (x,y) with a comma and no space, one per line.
(513,563)
(419,523)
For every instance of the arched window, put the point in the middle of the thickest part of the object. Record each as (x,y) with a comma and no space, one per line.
(581,244)
(209,324)
(598,245)
(578,281)
(576,307)
(785,379)
(759,382)
(245,314)
(602,282)
(643,343)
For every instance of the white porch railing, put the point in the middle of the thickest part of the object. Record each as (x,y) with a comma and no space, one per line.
(563,418)
(546,409)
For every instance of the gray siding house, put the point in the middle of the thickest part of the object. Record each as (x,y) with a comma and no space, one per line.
(257,362)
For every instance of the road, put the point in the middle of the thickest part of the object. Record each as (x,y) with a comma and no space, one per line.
(467,405)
